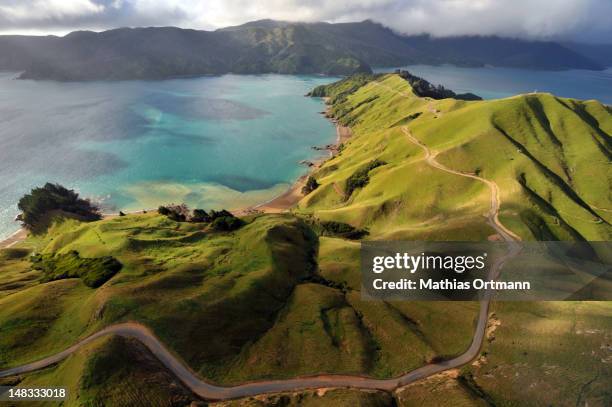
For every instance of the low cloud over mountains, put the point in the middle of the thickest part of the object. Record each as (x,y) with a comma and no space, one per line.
(575,20)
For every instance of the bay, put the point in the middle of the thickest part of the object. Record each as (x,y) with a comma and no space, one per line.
(213,142)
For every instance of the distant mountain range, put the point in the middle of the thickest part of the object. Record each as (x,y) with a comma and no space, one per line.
(268,46)
(600,53)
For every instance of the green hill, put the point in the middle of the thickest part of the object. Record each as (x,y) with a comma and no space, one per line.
(550,157)
(266,280)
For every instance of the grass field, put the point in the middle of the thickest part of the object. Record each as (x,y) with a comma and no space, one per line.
(443,390)
(546,352)
(16,271)
(172,272)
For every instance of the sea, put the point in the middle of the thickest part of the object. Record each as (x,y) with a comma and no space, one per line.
(228,141)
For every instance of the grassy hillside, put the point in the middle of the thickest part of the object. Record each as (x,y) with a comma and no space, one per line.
(289,301)
(16,271)
(172,272)
(315,398)
(545,352)
(110,372)
(550,157)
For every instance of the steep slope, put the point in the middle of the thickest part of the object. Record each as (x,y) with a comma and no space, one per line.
(156,53)
(150,53)
(499,51)
(549,156)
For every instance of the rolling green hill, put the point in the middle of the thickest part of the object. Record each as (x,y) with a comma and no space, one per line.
(550,157)
(266,270)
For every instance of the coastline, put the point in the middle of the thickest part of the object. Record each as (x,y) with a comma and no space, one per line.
(281,203)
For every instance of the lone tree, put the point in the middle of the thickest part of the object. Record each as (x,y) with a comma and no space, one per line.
(41,204)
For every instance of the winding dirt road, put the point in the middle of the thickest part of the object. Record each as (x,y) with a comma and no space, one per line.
(493,215)
(213,392)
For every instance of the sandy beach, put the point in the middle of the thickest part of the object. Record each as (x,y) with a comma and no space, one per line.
(282,203)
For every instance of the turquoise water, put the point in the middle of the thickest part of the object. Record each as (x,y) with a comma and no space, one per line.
(214,142)
(492,83)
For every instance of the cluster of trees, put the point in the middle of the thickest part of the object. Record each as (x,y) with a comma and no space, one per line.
(424,88)
(339,229)
(36,206)
(361,177)
(222,220)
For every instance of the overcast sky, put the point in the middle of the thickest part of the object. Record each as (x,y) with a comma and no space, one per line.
(585,20)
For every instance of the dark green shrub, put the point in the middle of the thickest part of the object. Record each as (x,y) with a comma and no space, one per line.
(227,223)
(163,210)
(339,229)
(220,214)
(177,213)
(425,89)
(361,177)
(92,271)
(177,216)
(13,253)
